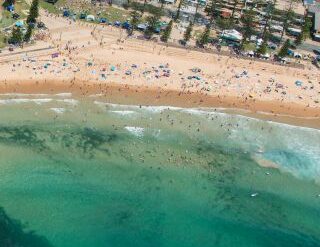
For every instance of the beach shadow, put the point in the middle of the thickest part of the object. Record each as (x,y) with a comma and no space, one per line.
(13,234)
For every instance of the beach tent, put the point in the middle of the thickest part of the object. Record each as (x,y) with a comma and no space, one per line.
(66,13)
(90,18)
(232,35)
(10,8)
(265,56)
(19,24)
(103,20)
(142,26)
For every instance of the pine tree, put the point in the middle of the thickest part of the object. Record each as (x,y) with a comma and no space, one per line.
(187,34)
(306,28)
(247,20)
(204,38)
(299,39)
(7,3)
(16,36)
(268,19)
(288,17)
(167,32)
(212,9)
(152,23)
(263,48)
(33,12)
(284,49)
(196,14)
(144,6)
(305,31)
(135,18)
(181,3)
(28,34)
(234,8)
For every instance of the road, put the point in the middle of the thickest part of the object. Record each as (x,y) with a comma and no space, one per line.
(309,47)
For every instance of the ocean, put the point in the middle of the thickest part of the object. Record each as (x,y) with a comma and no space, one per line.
(86,173)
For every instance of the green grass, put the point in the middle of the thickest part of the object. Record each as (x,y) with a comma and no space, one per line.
(6,17)
(115,14)
(2,41)
(249,47)
(111,13)
(50,7)
(21,7)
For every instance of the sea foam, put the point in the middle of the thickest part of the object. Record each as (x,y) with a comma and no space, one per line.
(137,131)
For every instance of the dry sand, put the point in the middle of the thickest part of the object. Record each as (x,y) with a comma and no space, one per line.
(101,60)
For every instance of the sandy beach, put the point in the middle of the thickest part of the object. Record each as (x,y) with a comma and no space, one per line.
(102,60)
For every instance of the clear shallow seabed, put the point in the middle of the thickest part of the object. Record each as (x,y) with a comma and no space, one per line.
(90,174)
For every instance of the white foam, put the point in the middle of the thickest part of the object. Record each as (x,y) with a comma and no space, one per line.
(200,111)
(64,95)
(19,101)
(154,109)
(58,110)
(123,113)
(137,131)
(23,95)
(72,102)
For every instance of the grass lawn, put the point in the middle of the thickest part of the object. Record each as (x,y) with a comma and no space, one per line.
(115,14)
(21,7)
(52,8)
(2,43)
(109,12)
(48,6)
(249,47)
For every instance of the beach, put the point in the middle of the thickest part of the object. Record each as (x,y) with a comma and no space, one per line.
(102,60)
(113,141)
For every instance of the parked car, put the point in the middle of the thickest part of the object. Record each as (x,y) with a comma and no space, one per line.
(272,46)
(317,51)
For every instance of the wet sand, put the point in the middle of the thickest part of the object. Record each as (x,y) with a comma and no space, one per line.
(138,95)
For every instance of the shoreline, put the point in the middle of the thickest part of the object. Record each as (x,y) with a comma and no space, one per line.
(285,112)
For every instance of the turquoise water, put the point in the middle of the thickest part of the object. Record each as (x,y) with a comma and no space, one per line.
(86,173)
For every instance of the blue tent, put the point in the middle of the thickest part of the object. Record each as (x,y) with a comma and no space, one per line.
(19,24)
(103,20)
(10,8)
(66,13)
(126,25)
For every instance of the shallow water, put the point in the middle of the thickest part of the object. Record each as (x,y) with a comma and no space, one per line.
(86,173)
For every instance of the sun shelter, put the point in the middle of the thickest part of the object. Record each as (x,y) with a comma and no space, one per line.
(90,18)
